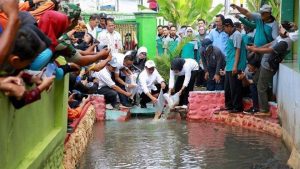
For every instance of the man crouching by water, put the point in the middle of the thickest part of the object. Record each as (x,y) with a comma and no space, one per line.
(186,70)
(150,84)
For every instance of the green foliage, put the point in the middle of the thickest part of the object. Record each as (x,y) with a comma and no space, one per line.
(163,63)
(254,5)
(186,12)
(275,8)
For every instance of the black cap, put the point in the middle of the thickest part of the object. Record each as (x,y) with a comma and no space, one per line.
(228,22)
(206,42)
(102,15)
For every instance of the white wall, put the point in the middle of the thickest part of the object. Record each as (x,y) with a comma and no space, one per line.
(289,101)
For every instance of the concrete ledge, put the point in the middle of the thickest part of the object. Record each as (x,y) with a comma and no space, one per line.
(203,104)
(78,140)
(294,161)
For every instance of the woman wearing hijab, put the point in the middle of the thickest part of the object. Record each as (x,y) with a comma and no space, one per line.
(186,70)
(190,50)
(140,59)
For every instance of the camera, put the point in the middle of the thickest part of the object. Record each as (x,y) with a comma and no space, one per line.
(79,35)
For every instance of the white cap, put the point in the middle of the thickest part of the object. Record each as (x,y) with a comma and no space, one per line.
(113,62)
(150,64)
(265,8)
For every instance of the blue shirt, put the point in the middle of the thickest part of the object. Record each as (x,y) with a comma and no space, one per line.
(219,39)
(235,41)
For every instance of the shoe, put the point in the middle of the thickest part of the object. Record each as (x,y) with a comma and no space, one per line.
(250,111)
(126,106)
(178,107)
(225,109)
(109,107)
(70,129)
(184,107)
(262,114)
(144,106)
(235,111)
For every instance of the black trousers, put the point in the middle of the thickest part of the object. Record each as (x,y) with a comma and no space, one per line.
(185,94)
(200,78)
(145,99)
(233,92)
(123,99)
(110,95)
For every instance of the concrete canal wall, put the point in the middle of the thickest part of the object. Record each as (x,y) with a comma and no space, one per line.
(289,109)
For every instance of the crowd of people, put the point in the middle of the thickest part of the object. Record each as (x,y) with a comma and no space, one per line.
(240,57)
(43,40)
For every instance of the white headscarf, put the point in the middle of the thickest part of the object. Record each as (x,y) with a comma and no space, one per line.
(142,49)
(188,29)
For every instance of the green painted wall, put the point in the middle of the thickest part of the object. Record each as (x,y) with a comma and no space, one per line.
(287,14)
(33,136)
(146,22)
(296,19)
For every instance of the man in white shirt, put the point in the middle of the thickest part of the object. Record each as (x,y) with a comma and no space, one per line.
(149,81)
(92,25)
(186,70)
(124,62)
(107,86)
(110,37)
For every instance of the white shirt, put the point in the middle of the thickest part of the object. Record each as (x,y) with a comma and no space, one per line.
(112,40)
(92,31)
(189,66)
(104,77)
(120,60)
(147,82)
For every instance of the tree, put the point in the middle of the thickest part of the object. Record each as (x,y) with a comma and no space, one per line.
(186,12)
(254,5)
(275,4)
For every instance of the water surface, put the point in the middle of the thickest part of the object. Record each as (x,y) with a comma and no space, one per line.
(178,144)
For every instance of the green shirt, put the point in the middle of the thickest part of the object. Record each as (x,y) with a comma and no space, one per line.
(235,41)
(265,32)
(188,50)
(172,44)
(159,46)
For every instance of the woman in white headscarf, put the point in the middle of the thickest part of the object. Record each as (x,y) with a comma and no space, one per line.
(189,50)
(141,58)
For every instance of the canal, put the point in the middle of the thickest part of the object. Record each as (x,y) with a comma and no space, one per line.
(143,143)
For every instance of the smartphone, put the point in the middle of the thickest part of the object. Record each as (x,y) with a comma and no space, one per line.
(50,70)
(250,44)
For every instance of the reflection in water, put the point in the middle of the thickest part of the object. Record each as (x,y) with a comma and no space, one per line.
(171,144)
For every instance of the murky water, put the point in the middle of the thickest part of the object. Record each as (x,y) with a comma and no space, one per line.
(173,144)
